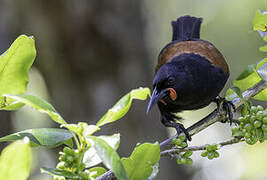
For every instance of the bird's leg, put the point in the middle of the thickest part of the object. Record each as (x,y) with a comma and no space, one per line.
(168,120)
(226,105)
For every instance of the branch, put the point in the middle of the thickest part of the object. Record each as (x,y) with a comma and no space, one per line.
(215,116)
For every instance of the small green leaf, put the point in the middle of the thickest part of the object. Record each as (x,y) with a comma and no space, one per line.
(260,21)
(109,157)
(59,172)
(82,128)
(250,81)
(263,48)
(49,137)
(38,104)
(139,165)
(91,158)
(262,72)
(96,172)
(123,105)
(14,67)
(15,161)
(249,70)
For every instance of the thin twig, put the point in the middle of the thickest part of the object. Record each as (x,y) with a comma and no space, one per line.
(215,116)
(199,148)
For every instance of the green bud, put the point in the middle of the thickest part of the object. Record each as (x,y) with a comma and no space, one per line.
(264,127)
(204,154)
(209,148)
(187,154)
(241,119)
(183,145)
(68,151)
(84,175)
(61,165)
(59,178)
(259,115)
(182,136)
(244,131)
(265,135)
(179,161)
(247,135)
(264,120)
(250,141)
(177,142)
(189,161)
(216,154)
(211,155)
(253,109)
(260,108)
(248,127)
(62,157)
(69,159)
(259,133)
(252,118)
(214,147)
(257,124)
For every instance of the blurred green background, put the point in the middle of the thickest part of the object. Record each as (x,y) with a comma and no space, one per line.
(90,53)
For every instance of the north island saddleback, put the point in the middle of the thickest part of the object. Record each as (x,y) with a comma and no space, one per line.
(190,74)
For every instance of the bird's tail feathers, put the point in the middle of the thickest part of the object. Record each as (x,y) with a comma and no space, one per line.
(186,28)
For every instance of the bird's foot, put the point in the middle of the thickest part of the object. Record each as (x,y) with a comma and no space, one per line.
(181,129)
(227,106)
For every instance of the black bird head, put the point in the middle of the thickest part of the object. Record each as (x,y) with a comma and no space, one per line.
(166,84)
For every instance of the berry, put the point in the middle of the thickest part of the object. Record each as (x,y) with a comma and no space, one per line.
(259,115)
(189,161)
(264,127)
(211,155)
(187,154)
(260,108)
(257,124)
(204,154)
(182,136)
(248,127)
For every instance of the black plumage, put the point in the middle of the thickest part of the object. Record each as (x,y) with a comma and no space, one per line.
(190,73)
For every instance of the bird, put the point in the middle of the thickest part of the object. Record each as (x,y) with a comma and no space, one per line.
(189,75)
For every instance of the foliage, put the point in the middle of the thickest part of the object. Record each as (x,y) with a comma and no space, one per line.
(15,161)
(83,151)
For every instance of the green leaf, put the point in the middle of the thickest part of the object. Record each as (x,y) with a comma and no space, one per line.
(248,82)
(109,157)
(260,21)
(14,67)
(49,137)
(139,165)
(230,95)
(38,104)
(59,172)
(123,105)
(15,161)
(262,72)
(263,48)
(249,70)
(96,171)
(91,158)
(82,128)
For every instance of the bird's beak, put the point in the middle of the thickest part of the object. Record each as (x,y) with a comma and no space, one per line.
(156,96)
